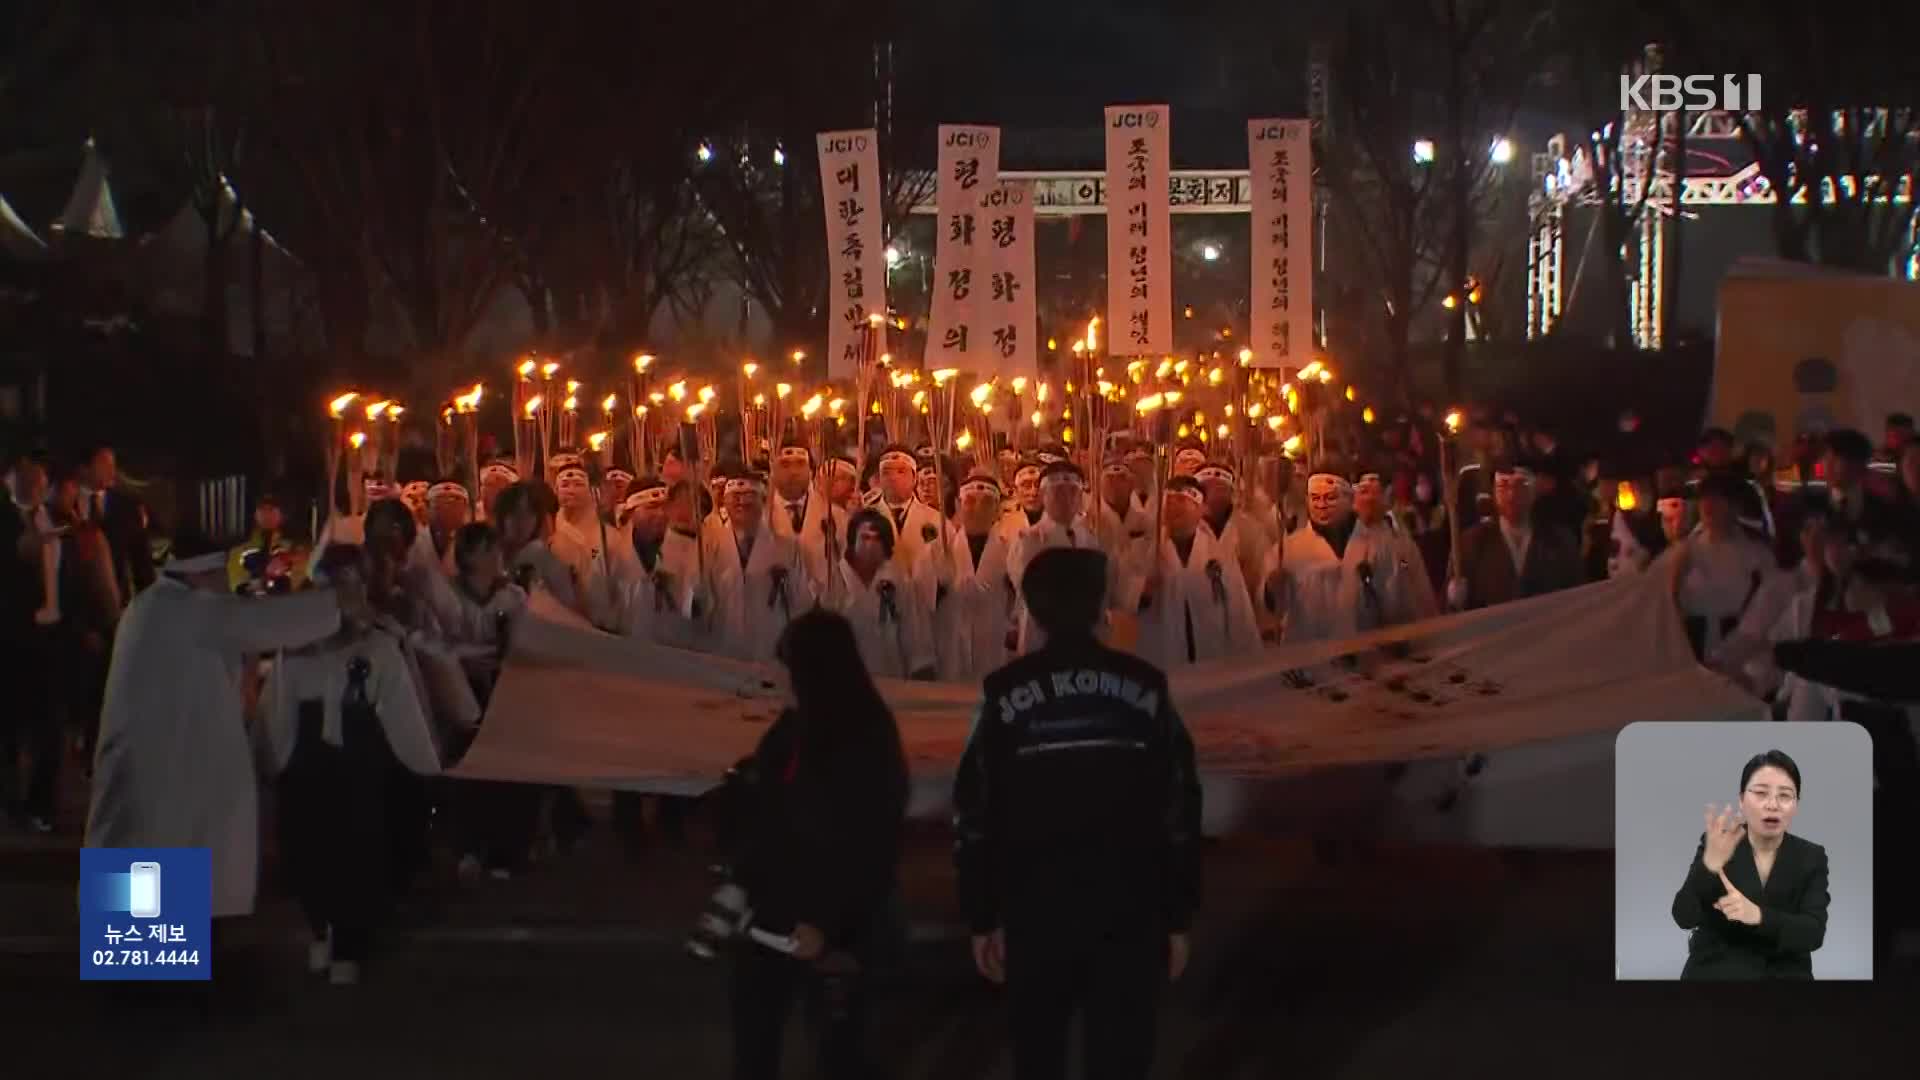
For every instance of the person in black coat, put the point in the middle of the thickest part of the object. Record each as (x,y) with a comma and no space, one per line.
(1755,898)
(123,519)
(820,834)
(1077,810)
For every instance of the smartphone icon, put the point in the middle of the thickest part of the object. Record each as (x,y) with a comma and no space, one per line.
(143,894)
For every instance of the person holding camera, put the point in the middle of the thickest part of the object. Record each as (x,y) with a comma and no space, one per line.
(1077,810)
(820,826)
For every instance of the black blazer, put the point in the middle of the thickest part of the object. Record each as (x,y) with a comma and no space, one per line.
(1793,914)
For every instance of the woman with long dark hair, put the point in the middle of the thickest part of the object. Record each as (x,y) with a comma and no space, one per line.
(819,850)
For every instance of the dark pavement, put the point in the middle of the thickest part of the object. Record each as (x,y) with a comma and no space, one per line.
(1395,962)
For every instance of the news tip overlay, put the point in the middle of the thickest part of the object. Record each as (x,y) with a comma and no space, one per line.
(1743,850)
(146,914)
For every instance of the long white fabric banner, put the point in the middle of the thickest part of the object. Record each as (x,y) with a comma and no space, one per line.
(969,160)
(576,706)
(1280,153)
(1139,231)
(851,191)
(1007,313)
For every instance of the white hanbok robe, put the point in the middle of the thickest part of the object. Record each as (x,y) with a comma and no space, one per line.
(1764,622)
(1718,577)
(321,674)
(1125,537)
(1324,595)
(654,605)
(173,766)
(818,552)
(548,573)
(1246,539)
(1051,534)
(1399,576)
(893,646)
(1223,622)
(579,547)
(747,615)
(920,534)
(971,620)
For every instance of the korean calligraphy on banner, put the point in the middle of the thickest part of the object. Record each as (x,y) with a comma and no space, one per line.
(851,191)
(969,169)
(1139,231)
(1007,316)
(1280,155)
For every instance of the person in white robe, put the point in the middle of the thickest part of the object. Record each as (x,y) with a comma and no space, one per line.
(1718,569)
(1024,510)
(1122,518)
(1303,576)
(973,609)
(1188,459)
(916,526)
(1388,580)
(1747,654)
(655,572)
(750,589)
(716,490)
(1241,535)
(339,720)
(579,532)
(496,476)
(843,483)
(1193,605)
(1062,524)
(172,767)
(449,509)
(351,527)
(800,511)
(616,482)
(889,616)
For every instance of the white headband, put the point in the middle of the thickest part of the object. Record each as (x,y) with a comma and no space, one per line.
(899,455)
(1521,476)
(1327,483)
(1190,454)
(1669,504)
(796,453)
(1047,458)
(1024,470)
(617,473)
(447,490)
(1182,491)
(1214,472)
(843,467)
(980,485)
(560,462)
(497,469)
(1056,479)
(1368,480)
(741,485)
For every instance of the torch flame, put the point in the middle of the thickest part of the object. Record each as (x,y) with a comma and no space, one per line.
(357,440)
(811,406)
(759,401)
(798,355)
(1040,395)
(1292,444)
(1293,401)
(1093,333)
(706,395)
(533,405)
(547,369)
(525,369)
(572,403)
(940,377)
(919,398)
(982,394)
(963,441)
(1326,375)
(642,362)
(1310,370)
(1038,418)
(1625,498)
(1453,420)
(1274,422)
(339,405)
(639,410)
(607,403)
(1104,387)
(694,411)
(886,359)
(374,410)
(1214,376)
(573,386)
(596,440)
(393,413)
(1254,410)
(749,368)
(678,391)
(1246,357)
(837,404)
(657,397)
(1019,385)
(1366,415)
(1349,393)
(1221,430)
(875,321)
(1173,398)
(1161,371)
(781,390)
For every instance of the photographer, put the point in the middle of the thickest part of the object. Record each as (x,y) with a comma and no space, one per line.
(820,836)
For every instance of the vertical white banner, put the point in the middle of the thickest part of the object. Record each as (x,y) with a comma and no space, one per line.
(969,168)
(1139,232)
(1280,155)
(851,191)
(1008,318)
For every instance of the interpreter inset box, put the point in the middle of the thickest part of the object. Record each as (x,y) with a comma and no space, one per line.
(1743,851)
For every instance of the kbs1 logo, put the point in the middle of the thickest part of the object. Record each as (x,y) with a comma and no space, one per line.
(1694,93)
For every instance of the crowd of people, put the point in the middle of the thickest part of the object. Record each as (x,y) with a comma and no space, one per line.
(371,674)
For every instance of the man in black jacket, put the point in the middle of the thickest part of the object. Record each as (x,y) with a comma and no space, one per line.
(121,516)
(1077,810)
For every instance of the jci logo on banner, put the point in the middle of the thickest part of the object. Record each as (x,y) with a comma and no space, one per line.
(1695,93)
(1278,132)
(146,914)
(981,139)
(844,144)
(1136,119)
